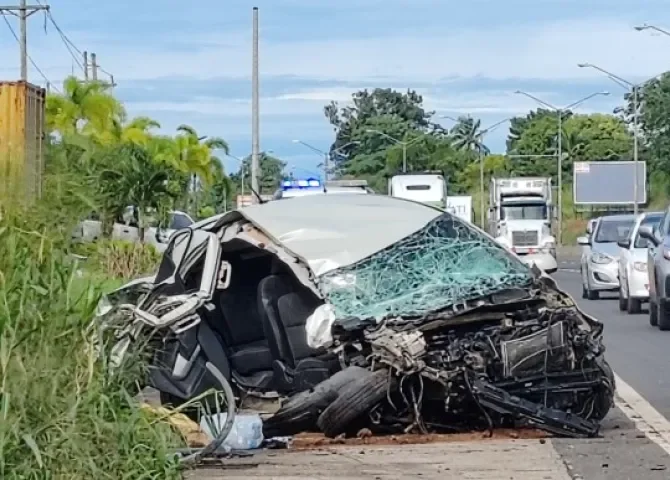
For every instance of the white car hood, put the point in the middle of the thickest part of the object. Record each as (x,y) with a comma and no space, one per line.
(332,231)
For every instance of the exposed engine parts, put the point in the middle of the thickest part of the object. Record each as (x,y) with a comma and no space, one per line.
(539,367)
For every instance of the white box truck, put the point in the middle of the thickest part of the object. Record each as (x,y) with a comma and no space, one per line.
(426,187)
(520,216)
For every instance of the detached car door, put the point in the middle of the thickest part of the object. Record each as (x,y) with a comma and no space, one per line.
(186,280)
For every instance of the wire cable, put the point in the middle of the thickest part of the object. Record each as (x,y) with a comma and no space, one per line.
(32,62)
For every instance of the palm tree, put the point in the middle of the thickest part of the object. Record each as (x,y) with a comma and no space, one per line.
(196,155)
(467,136)
(134,178)
(137,131)
(82,108)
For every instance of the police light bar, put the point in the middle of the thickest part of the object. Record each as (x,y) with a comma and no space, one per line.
(303,183)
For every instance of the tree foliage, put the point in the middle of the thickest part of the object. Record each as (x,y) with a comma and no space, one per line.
(120,161)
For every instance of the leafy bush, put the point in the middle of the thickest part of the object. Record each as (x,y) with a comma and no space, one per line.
(62,416)
(122,259)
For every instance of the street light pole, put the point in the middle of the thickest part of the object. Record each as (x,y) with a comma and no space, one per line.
(652,27)
(326,156)
(559,146)
(482,210)
(403,144)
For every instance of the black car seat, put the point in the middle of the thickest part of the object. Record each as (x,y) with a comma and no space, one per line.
(297,367)
(242,329)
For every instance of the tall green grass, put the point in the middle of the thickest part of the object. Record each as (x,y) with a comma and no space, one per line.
(61,415)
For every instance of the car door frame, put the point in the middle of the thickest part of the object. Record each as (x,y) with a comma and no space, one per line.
(183,317)
(626,256)
(660,230)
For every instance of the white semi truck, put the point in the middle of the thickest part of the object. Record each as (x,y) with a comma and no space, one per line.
(430,188)
(520,215)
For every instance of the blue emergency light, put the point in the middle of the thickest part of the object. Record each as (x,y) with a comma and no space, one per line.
(301,184)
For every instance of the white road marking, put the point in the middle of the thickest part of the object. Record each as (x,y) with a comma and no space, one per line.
(645,417)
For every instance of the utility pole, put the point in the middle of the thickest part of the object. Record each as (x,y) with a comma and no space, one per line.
(255,123)
(94,67)
(23,11)
(86,66)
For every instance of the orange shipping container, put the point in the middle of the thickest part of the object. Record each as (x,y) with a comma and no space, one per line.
(21,139)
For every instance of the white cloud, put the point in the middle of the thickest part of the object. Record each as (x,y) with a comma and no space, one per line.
(542,51)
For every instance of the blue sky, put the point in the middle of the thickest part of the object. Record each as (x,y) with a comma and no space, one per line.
(192,65)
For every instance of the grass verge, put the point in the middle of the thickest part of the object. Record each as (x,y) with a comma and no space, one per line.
(61,415)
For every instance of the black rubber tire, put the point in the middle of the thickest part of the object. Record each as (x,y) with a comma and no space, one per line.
(633,306)
(663,316)
(653,314)
(354,401)
(604,400)
(623,302)
(301,411)
(585,293)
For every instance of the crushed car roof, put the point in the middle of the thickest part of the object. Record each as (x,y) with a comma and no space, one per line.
(330,232)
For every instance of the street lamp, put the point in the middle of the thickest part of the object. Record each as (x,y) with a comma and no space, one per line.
(400,142)
(480,148)
(559,113)
(634,87)
(241,160)
(652,27)
(326,156)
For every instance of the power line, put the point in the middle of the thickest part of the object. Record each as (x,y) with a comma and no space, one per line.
(30,59)
(71,47)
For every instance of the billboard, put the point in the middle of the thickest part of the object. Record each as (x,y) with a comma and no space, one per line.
(608,183)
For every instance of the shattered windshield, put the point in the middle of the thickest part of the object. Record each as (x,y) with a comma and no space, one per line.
(444,263)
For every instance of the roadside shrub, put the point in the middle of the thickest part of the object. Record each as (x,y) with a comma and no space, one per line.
(122,259)
(62,416)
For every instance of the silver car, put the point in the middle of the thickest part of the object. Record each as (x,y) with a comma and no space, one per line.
(658,268)
(599,266)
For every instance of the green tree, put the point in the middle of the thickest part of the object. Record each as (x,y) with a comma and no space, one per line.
(132,177)
(654,123)
(584,138)
(376,109)
(467,135)
(83,107)
(272,172)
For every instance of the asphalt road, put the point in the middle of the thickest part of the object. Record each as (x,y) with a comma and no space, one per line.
(638,353)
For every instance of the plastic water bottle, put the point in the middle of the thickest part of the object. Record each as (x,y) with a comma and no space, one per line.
(246,434)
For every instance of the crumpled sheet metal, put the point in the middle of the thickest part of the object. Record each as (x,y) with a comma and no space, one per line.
(445,263)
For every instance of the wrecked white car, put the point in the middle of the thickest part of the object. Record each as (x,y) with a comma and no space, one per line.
(365,311)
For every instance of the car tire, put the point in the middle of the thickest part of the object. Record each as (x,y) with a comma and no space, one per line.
(300,413)
(653,314)
(585,293)
(353,402)
(593,294)
(633,306)
(663,316)
(604,396)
